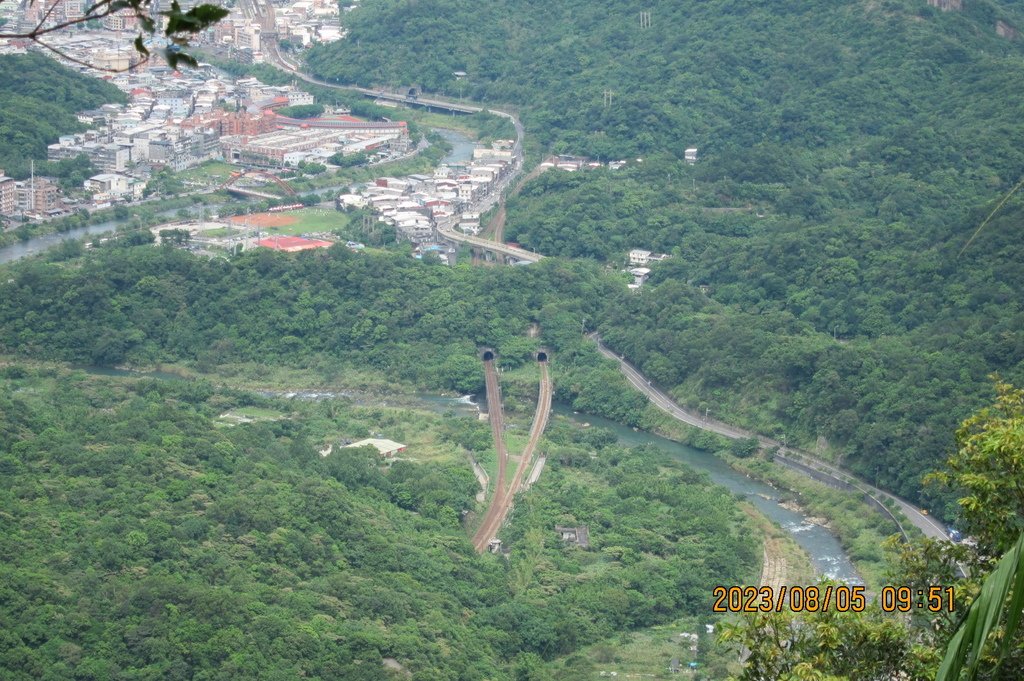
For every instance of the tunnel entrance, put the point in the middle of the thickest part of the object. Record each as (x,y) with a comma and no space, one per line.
(488,356)
(542,356)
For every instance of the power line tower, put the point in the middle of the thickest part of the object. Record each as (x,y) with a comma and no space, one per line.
(645,19)
(608,95)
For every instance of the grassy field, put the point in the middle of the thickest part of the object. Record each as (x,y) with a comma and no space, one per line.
(439,120)
(209,172)
(221,232)
(251,414)
(310,220)
(647,653)
(320,219)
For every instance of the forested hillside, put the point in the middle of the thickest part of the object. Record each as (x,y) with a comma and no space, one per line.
(39,103)
(420,323)
(847,153)
(144,537)
(897,79)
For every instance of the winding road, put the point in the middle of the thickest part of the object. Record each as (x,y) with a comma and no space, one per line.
(928,525)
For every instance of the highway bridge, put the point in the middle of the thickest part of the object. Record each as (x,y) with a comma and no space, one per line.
(928,525)
(514,252)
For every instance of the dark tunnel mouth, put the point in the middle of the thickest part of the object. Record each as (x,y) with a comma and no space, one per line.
(542,356)
(488,356)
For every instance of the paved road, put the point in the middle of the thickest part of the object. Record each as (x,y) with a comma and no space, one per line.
(487,244)
(928,525)
(482,205)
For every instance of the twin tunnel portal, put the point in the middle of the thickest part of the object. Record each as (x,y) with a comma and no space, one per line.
(505,489)
(488,356)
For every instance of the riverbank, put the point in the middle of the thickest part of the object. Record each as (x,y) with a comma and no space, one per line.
(859,529)
(828,556)
(784,563)
(426,422)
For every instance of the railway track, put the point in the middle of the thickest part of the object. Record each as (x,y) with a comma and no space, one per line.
(501,502)
(496,416)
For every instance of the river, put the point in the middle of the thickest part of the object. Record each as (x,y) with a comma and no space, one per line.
(439,404)
(824,549)
(38,244)
(462,146)
(462,151)
(826,554)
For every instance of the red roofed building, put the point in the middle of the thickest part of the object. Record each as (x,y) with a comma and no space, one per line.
(292,244)
(231,123)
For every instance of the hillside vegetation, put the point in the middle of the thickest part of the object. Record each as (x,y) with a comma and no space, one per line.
(144,536)
(847,153)
(39,103)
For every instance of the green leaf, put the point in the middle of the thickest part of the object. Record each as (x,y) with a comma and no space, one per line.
(140,46)
(174,58)
(965,648)
(208,14)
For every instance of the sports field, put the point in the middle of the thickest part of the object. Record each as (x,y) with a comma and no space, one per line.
(295,222)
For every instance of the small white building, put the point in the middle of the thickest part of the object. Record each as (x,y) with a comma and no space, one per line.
(640,275)
(111,184)
(298,97)
(639,257)
(387,448)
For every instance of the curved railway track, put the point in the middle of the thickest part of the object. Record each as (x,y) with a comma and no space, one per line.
(501,502)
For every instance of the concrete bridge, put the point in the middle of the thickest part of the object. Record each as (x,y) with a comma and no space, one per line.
(513,252)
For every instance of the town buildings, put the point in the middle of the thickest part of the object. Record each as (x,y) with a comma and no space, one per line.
(417,205)
(8,196)
(177,120)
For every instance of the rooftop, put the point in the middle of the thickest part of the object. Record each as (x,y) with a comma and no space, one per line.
(385,447)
